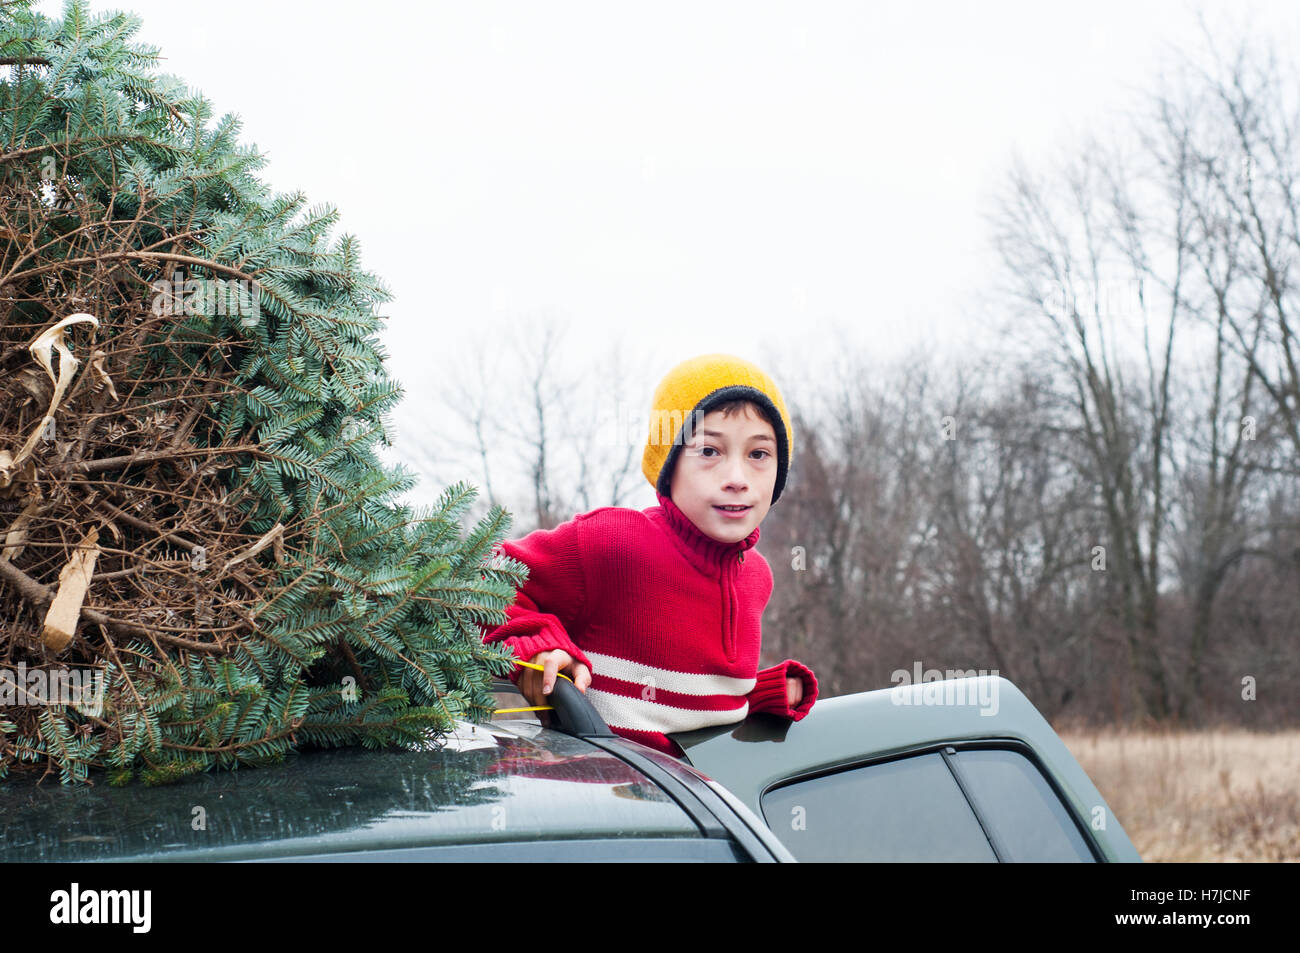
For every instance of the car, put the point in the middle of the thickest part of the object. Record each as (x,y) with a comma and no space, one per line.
(867,776)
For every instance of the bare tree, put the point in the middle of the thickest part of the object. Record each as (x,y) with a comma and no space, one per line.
(1247,174)
(1071,255)
(1138,261)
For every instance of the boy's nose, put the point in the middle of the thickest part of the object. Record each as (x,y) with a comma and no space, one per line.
(736,478)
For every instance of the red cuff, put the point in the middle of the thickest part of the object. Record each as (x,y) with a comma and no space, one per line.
(770,694)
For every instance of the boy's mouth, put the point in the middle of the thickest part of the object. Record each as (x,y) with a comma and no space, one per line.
(732,510)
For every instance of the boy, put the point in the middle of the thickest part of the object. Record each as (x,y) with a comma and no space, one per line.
(656,614)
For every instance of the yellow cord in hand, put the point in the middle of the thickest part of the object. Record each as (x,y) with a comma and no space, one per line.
(504,711)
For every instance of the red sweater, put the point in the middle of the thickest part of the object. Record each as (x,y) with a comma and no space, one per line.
(667,619)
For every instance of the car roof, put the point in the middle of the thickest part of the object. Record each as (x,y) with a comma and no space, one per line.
(764,750)
(485,783)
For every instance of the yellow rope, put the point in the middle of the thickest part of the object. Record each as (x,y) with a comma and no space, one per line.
(540,668)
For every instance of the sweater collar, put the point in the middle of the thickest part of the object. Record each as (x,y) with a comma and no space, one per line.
(702,548)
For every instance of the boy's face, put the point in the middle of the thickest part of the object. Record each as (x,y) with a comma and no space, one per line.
(728,461)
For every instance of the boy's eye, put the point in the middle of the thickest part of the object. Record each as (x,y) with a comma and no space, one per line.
(712,451)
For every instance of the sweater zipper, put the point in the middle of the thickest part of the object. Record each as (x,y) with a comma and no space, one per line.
(729,581)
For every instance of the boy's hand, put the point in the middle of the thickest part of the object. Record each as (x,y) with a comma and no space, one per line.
(793,690)
(536,686)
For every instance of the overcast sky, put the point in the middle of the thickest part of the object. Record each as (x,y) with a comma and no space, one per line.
(697,176)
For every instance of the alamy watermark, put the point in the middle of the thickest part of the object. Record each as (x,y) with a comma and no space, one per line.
(237,297)
(627,426)
(952,686)
(129,907)
(1106,298)
(82,688)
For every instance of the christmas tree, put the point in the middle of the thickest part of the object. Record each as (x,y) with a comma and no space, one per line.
(202,560)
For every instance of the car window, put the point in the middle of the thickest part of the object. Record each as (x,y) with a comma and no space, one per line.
(906,810)
(1024,815)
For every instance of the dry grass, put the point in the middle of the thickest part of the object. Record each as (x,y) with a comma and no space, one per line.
(1221,795)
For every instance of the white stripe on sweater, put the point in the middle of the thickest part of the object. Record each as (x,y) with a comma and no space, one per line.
(685,683)
(619,711)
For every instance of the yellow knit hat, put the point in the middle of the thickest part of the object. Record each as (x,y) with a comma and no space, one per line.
(692,389)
